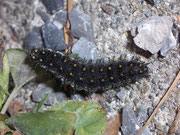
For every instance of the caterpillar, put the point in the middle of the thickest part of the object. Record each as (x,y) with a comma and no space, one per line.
(87,76)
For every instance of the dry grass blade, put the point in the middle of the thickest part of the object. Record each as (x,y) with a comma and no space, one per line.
(161,102)
(66,29)
(174,125)
(178,17)
(1,53)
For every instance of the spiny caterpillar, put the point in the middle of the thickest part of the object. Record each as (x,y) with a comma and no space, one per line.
(85,76)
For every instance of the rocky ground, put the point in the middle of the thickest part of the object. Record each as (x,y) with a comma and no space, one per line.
(112,33)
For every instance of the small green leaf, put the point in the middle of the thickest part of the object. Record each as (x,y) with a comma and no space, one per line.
(5,74)
(21,72)
(19,66)
(91,118)
(4,81)
(44,123)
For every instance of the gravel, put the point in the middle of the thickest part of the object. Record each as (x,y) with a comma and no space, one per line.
(112,23)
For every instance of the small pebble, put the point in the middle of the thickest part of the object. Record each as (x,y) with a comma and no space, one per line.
(85,49)
(81,25)
(77,97)
(61,17)
(34,39)
(53,5)
(153,32)
(53,37)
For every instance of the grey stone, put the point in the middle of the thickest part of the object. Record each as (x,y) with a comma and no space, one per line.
(121,94)
(53,37)
(130,125)
(152,32)
(40,92)
(53,5)
(142,114)
(168,45)
(44,16)
(85,49)
(81,25)
(60,96)
(33,39)
(48,88)
(61,18)
(77,97)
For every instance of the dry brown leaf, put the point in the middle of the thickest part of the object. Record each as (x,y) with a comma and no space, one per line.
(113,125)
(17,133)
(14,108)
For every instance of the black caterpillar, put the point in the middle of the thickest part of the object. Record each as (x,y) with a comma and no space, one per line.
(85,76)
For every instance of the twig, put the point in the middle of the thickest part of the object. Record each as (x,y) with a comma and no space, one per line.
(178,17)
(66,29)
(174,125)
(161,102)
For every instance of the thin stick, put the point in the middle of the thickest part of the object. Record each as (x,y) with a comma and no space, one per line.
(178,17)
(161,102)
(66,36)
(174,125)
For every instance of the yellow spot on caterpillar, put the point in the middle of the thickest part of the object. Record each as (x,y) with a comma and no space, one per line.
(92,70)
(121,74)
(40,60)
(75,65)
(140,65)
(120,66)
(70,74)
(61,68)
(80,78)
(35,50)
(65,60)
(111,78)
(92,81)
(33,57)
(140,71)
(131,65)
(50,64)
(109,68)
(84,68)
(101,69)
(54,55)
(102,80)
(43,52)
